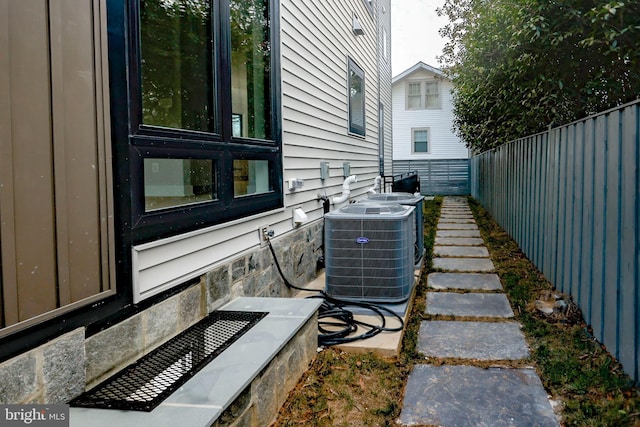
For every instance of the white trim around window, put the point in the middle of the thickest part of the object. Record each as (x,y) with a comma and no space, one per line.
(421,140)
(423,95)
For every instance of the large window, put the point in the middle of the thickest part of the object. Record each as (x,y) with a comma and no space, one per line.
(422,95)
(207,140)
(175,62)
(356,99)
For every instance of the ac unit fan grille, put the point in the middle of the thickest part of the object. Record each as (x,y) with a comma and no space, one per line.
(370,259)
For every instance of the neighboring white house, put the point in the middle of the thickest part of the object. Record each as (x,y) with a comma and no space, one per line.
(423,138)
(147,144)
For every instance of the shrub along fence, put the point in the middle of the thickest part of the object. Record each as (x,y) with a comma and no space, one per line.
(570,198)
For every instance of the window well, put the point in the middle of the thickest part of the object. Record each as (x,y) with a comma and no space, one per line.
(144,384)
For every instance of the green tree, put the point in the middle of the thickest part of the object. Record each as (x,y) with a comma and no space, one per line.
(520,66)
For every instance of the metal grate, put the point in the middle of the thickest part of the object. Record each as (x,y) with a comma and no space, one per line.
(145,384)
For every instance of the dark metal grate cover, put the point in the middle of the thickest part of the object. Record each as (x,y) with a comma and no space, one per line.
(144,384)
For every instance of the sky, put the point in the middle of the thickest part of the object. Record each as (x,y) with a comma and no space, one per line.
(414,33)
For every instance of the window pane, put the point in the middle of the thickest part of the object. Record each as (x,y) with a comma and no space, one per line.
(432,98)
(413,102)
(251,177)
(356,99)
(421,141)
(251,68)
(421,147)
(176,53)
(414,89)
(421,135)
(177,182)
(413,95)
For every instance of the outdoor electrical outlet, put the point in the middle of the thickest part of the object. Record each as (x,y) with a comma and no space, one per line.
(265,233)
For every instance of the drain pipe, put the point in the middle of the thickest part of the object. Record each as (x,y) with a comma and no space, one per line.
(345,190)
(376,186)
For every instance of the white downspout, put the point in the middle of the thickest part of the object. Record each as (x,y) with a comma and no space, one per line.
(345,190)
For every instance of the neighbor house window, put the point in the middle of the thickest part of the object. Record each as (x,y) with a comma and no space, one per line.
(206,141)
(356,99)
(423,94)
(421,140)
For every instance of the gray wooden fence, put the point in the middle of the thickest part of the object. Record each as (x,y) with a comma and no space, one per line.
(438,177)
(570,198)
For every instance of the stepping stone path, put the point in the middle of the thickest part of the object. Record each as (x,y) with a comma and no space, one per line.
(479,328)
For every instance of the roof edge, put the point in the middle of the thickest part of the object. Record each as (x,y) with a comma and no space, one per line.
(419,66)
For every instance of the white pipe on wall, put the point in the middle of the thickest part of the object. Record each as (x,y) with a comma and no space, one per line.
(376,186)
(346,190)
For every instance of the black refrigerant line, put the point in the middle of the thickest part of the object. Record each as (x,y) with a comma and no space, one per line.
(335,322)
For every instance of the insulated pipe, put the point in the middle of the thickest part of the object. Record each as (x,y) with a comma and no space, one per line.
(376,186)
(345,190)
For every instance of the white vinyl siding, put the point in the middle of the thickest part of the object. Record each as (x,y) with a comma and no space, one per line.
(315,52)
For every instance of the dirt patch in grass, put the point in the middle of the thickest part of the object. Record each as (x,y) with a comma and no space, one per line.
(343,389)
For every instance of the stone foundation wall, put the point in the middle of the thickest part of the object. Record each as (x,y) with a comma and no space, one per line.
(259,403)
(64,367)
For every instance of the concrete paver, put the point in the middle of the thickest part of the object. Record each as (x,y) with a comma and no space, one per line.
(466,396)
(461,251)
(464,281)
(455,226)
(459,241)
(472,340)
(457,212)
(456,221)
(468,305)
(457,233)
(464,264)
(448,212)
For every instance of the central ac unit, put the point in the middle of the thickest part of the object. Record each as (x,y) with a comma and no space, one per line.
(410,200)
(369,252)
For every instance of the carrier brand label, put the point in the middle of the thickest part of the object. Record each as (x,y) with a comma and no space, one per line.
(362,240)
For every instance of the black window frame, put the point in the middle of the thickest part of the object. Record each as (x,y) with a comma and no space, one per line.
(356,129)
(219,145)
